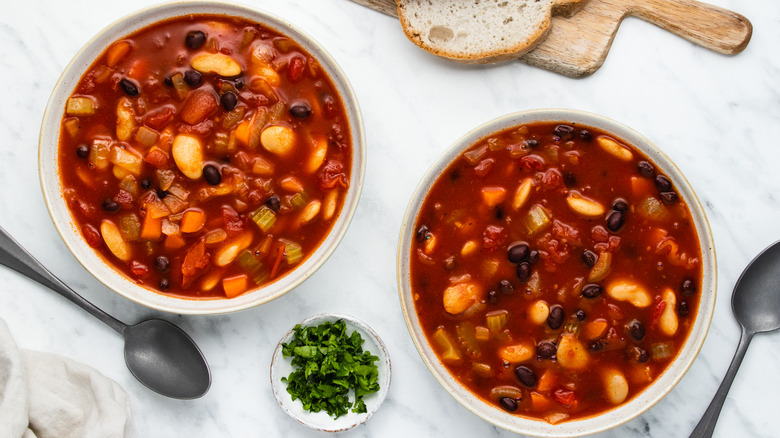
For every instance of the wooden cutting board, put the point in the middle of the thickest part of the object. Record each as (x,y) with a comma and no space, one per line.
(577,46)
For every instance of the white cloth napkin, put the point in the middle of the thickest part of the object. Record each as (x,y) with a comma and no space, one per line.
(44,395)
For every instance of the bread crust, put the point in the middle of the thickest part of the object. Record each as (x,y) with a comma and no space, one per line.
(410,13)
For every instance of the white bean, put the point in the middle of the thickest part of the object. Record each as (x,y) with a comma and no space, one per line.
(668,322)
(187,152)
(538,312)
(615,386)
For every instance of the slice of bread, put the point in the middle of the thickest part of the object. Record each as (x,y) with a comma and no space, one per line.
(480,31)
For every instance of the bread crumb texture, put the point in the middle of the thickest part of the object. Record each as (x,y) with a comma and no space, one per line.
(478,31)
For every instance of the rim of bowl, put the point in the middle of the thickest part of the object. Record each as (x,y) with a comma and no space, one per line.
(351,419)
(51,184)
(665,382)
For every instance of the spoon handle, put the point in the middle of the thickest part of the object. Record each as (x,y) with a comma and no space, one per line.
(706,425)
(14,256)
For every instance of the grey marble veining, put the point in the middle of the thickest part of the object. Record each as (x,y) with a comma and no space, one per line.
(717,117)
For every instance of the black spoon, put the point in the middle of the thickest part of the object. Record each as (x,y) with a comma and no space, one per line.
(159,354)
(756,304)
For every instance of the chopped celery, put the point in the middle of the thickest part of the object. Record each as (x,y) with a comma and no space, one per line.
(130,226)
(661,350)
(146,136)
(573,325)
(292,252)
(467,336)
(252,266)
(449,351)
(496,320)
(264,217)
(473,156)
(179,85)
(298,200)
(537,219)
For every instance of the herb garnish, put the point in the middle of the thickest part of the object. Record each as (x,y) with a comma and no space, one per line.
(327,364)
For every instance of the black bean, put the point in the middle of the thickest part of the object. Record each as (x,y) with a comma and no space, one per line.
(523,272)
(596,346)
(669,198)
(195,39)
(620,204)
(663,183)
(565,132)
(211,174)
(555,320)
(589,258)
(580,314)
(492,297)
(546,349)
(146,183)
(639,354)
(531,143)
(162,193)
(688,287)
(228,100)
(533,257)
(508,403)
(569,180)
(300,110)
(615,220)
(130,88)
(164,284)
(586,135)
(422,233)
(591,291)
(646,169)
(162,264)
(636,330)
(526,376)
(506,288)
(274,203)
(518,253)
(193,78)
(82,151)
(683,309)
(168,81)
(110,206)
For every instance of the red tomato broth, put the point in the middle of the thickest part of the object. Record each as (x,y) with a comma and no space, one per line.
(658,252)
(276,75)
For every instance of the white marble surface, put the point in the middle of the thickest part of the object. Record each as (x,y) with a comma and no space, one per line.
(716,116)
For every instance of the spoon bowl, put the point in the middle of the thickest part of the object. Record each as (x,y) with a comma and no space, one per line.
(166,360)
(756,305)
(756,299)
(159,354)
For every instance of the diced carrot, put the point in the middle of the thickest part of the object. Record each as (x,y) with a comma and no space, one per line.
(539,402)
(278,260)
(242,132)
(158,158)
(547,381)
(641,187)
(594,329)
(117,52)
(493,195)
(140,69)
(193,221)
(235,286)
(152,228)
(174,241)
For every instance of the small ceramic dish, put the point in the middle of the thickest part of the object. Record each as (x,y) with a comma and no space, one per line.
(282,367)
(69,229)
(621,413)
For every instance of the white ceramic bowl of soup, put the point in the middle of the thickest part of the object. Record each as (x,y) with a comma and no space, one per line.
(610,418)
(53,188)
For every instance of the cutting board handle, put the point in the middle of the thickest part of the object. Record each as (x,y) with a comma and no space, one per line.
(709,26)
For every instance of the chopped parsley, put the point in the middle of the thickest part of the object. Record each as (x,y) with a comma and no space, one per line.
(327,365)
